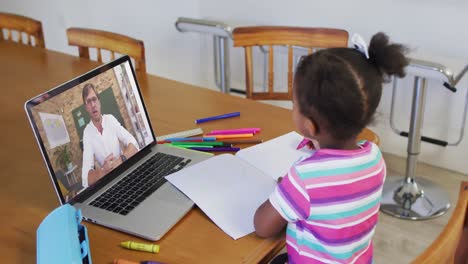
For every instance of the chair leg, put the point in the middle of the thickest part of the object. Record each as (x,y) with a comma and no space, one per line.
(405,197)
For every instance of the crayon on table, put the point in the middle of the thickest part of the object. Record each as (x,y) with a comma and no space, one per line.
(211,118)
(153,248)
(123,261)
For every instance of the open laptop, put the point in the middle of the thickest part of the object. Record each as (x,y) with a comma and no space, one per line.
(102,154)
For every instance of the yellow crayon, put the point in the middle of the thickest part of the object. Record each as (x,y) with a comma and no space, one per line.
(153,248)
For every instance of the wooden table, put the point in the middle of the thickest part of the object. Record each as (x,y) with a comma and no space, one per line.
(26,192)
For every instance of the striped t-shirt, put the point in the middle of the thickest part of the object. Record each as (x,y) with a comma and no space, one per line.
(331,201)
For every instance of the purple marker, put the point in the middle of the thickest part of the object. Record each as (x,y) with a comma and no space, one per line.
(211,118)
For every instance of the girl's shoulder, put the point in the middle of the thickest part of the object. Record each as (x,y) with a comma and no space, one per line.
(366,148)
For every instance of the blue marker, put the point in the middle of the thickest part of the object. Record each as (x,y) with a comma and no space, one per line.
(192,139)
(202,120)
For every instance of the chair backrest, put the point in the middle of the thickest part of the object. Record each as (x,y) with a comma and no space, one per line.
(27,29)
(451,246)
(86,38)
(310,38)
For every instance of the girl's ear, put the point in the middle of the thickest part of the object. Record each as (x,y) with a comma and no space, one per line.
(311,127)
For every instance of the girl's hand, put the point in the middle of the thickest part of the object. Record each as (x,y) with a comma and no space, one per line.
(279,179)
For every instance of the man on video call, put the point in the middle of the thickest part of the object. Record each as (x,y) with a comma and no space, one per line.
(102,140)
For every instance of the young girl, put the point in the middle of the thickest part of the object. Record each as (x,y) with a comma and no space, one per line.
(330,200)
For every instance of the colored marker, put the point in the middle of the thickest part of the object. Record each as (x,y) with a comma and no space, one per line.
(170,141)
(215,149)
(204,152)
(211,118)
(153,248)
(235,131)
(206,143)
(191,146)
(233,136)
(230,133)
(191,139)
(124,261)
(243,141)
(218,144)
(303,143)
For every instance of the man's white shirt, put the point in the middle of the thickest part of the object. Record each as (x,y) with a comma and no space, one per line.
(98,146)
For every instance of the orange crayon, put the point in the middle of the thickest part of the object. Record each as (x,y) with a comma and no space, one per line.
(123,261)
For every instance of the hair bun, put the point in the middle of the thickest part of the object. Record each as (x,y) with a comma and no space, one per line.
(388,58)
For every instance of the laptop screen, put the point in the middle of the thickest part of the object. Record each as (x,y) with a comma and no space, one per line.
(89,126)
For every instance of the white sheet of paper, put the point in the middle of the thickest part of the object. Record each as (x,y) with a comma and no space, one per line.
(275,156)
(227,189)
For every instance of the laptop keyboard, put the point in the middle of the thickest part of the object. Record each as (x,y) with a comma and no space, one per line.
(134,188)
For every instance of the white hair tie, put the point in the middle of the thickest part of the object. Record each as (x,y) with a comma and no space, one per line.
(360,44)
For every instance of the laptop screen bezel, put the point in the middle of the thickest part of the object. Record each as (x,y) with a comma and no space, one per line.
(83,195)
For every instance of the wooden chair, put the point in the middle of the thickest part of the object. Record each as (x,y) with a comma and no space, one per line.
(310,38)
(451,246)
(27,29)
(115,43)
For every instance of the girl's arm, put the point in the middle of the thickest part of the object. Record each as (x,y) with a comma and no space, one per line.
(267,221)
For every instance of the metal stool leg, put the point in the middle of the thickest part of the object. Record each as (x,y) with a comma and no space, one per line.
(405,197)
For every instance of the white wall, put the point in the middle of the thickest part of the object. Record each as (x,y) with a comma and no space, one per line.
(434,30)
(167,51)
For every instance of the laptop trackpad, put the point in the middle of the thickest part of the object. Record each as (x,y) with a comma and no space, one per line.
(159,212)
(170,194)
(152,218)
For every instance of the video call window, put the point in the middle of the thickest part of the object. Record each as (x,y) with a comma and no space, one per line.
(88,134)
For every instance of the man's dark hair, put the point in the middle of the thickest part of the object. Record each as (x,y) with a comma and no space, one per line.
(86,90)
